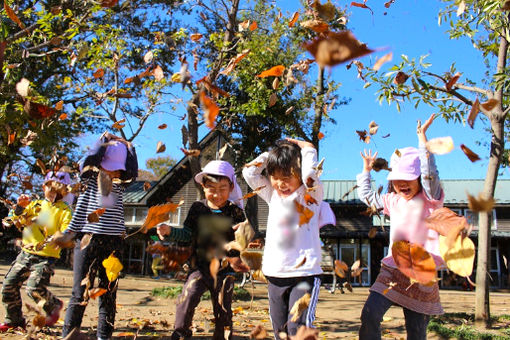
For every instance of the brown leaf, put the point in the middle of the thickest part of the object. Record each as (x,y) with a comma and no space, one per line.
(147,58)
(388,4)
(274,71)
(289,110)
(400,78)
(276,83)
(506,5)
(327,11)
(108,3)
(452,81)
(414,262)
(196,37)
(309,199)
(85,241)
(305,214)
(295,17)
(299,307)
(255,164)
(341,268)
(440,145)
(252,258)
(93,217)
(160,147)
(39,320)
(372,128)
(215,90)
(146,186)
(234,61)
(158,73)
(214,267)
(490,104)
(59,105)
(475,108)
(363,136)
(372,232)
(384,59)
(380,164)
(303,261)
(443,220)
(259,332)
(118,124)
(356,268)
(272,100)
(315,25)
(480,204)
(10,13)
(211,110)
(96,292)
(41,166)
(99,73)
(473,157)
(158,214)
(162,126)
(191,153)
(361,5)
(306,333)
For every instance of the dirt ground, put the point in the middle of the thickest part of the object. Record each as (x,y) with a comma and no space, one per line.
(152,317)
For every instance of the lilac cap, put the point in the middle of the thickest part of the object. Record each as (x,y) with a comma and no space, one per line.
(59,177)
(405,167)
(219,168)
(114,157)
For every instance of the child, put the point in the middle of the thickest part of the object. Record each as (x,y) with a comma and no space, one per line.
(292,255)
(38,255)
(219,183)
(414,192)
(116,159)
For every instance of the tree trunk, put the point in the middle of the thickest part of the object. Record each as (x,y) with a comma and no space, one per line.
(319,109)
(482,306)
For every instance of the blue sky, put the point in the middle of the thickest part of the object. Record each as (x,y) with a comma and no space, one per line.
(410,27)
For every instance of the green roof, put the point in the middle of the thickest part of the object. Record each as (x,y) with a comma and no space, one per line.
(135,193)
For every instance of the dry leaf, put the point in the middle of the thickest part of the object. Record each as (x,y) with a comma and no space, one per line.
(363,136)
(158,73)
(320,135)
(452,81)
(118,124)
(315,25)
(147,58)
(255,164)
(272,100)
(41,166)
(158,214)
(253,193)
(191,153)
(356,268)
(390,286)
(384,59)
(93,217)
(63,116)
(252,258)
(99,73)
(275,71)
(327,11)
(475,108)
(295,17)
(259,332)
(460,257)
(96,292)
(108,3)
(162,126)
(299,307)
(480,204)
(490,104)
(215,90)
(113,267)
(234,61)
(289,110)
(253,26)
(361,5)
(388,4)
(414,262)
(309,199)
(211,110)
(214,267)
(305,214)
(400,78)
(39,320)
(372,232)
(341,268)
(146,186)
(244,233)
(85,241)
(473,157)
(446,222)
(440,145)
(303,261)
(160,147)
(59,105)
(506,5)
(372,128)
(10,13)
(276,83)
(195,37)
(333,48)
(23,87)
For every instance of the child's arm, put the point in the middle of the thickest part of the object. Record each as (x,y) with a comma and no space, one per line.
(252,173)
(365,192)
(429,174)
(184,234)
(309,171)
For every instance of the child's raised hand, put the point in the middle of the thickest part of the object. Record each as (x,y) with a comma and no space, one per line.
(163,230)
(422,129)
(300,143)
(368,159)
(23,200)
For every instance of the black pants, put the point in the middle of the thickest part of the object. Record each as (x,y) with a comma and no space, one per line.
(91,258)
(283,293)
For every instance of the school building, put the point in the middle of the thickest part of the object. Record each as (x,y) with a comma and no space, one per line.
(349,238)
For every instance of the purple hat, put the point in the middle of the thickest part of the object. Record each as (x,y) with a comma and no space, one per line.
(405,165)
(59,177)
(114,157)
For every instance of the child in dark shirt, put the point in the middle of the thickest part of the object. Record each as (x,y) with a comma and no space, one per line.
(208,227)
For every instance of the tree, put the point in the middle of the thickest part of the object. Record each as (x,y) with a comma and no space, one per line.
(160,165)
(486,24)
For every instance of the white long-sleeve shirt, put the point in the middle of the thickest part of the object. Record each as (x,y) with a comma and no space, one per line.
(287,243)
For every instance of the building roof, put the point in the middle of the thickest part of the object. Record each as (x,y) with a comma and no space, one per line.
(135,192)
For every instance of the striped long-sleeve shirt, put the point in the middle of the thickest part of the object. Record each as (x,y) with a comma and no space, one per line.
(111,222)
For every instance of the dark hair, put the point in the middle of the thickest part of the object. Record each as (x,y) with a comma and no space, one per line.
(285,157)
(391,189)
(214,178)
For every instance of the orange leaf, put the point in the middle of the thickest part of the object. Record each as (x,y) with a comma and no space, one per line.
(318,26)
(59,105)
(414,262)
(333,48)
(384,59)
(234,61)
(363,136)
(253,26)
(452,81)
(361,5)
(295,17)
(309,199)
(215,90)
(99,73)
(479,203)
(11,138)
(191,153)
(93,217)
(303,261)
(158,73)
(341,268)
(475,108)
(63,116)
(195,37)
(108,3)
(96,292)
(211,110)
(159,213)
(320,135)
(275,71)
(214,267)
(446,223)
(253,193)
(146,186)
(12,15)
(305,214)
(490,104)
(118,124)
(473,157)
(255,164)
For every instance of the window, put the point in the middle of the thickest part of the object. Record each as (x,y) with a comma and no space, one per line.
(129,215)
(141,215)
(472,218)
(175,218)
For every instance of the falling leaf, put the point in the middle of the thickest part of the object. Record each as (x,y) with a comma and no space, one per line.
(211,110)
(162,126)
(259,332)
(390,286)
(299,307)
(158,214)
(255,164)
(39,320)
(388,4)
(191,153)
(373,232)
(400,78)
(475,108)
(96,292)
(99,73)
(305,214)
(380,164)
(113,267)
(85,241)
(244,233)
(108,3)
(23,86)
(334,48)
(295,17)
(372,128)
(302,262)
(440,145)
(480,204)
(361,5)
(59,105)
(473,157)
(276,83)
(214,267)
(363,136)
(215,90)
(460,257)
(118,124)
(253,26)
(275,71)
(252,258)
(272,100)
(196,37)
(160,147)
(490,104)
(414,262)
(10,13)
(146,186)
(446,222)
(356,268)
(326,12)
(315,25)
(320,135)
(93,217)
(147,58)
(289,110)
(350,191)
(384,59)
(158,73)
(309,199)
(452,81)
(341,268)
(234,61)
(461,8)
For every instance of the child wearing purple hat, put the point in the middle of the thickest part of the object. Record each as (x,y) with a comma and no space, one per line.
(208,226)
(414,193)
(44,218)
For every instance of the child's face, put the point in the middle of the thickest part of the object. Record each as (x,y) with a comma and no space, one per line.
(284,184)
(217,193)
(407,189)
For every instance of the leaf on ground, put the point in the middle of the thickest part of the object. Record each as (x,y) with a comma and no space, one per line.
(305,214)
(93,217)
(414,262)
(460,257)
(299,307)
(160,147)
(274,71)
(478,204)
(211,110)
(440,145)
(475,109)
(39,320)
(113,267)
(259,332)
(452,81)
(473,157)
(158,214)
(306,333)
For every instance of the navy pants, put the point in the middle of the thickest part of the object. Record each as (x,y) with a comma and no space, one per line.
(371,317)
(90,261)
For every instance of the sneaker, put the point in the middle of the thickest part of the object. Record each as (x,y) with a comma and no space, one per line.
(53,317)
(4,327)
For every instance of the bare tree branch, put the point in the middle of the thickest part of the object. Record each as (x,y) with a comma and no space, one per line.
(473,89)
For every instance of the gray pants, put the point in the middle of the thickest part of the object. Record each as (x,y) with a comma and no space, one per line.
(283,293)
(38,271)
(372,315)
